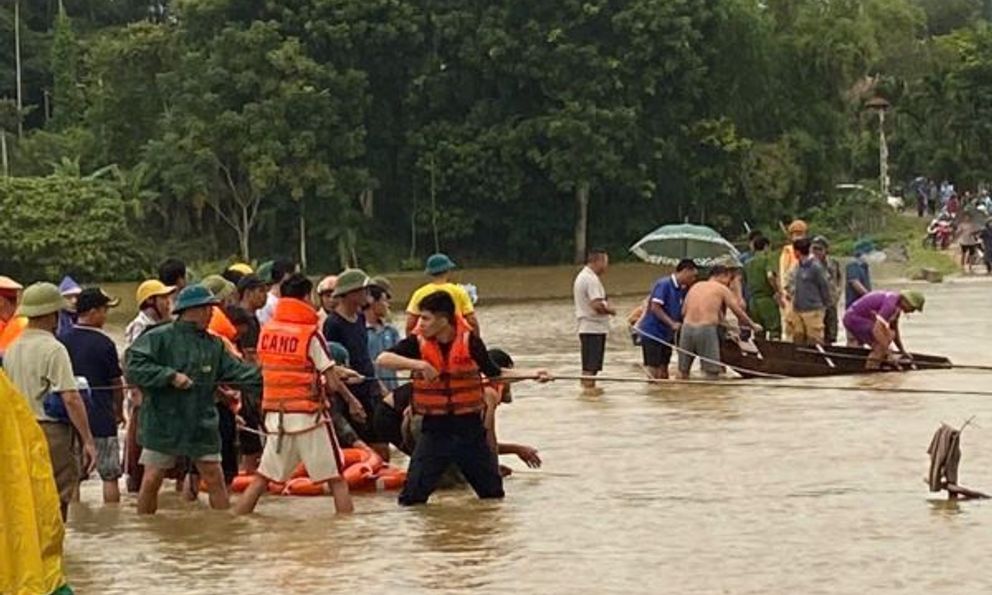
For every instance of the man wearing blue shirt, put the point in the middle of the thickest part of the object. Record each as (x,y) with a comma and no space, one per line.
(858,281)
(663,318)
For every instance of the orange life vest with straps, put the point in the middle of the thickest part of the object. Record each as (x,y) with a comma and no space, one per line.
(458,388)
(290,382)
(10,331)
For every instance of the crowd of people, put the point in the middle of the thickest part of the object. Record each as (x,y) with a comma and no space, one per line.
(793,294)
(254,372)
(964,218)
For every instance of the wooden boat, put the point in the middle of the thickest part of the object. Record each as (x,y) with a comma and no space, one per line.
(760,358)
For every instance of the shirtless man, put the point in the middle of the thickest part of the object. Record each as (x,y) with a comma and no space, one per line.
(704,311)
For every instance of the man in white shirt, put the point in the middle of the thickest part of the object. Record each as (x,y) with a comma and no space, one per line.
(277,273)
(592,312)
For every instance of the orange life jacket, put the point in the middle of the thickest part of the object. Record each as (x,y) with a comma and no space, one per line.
(458,387)
(10,331)
(221,327)
(290,381)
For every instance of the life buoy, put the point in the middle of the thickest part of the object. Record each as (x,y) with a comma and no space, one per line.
(302,486)
(352,456)
(388,478)
(241,483)
(300,471)
(276,488)
(357,474)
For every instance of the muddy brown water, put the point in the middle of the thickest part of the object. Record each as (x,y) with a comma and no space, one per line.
(724,489)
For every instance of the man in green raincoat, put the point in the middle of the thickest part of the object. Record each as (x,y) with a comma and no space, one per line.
(178,366)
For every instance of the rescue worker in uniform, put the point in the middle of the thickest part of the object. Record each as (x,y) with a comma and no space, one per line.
(294,360)
(447,361)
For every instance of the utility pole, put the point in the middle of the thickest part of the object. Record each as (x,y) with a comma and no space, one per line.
(17,62)
(879,105)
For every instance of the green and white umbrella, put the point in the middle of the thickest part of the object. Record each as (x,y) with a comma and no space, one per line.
(669,244)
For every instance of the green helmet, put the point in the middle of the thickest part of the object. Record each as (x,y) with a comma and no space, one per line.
(41,299)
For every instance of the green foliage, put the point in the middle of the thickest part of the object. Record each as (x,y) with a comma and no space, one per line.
(380,120)
(56,224)
(66,95)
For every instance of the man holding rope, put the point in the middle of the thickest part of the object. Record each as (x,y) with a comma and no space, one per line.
(294,360)
(662,320)
(177,366)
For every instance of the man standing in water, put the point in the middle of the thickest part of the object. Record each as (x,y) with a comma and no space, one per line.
(94,357)
(346,325)
(178,366)
(874,321)
(705,308)
(663,318)
(592,312)
(447,359)
(154,300)
(172,272)
(278,272)
(294,359)
(857,273)
(39,366)
(439,268)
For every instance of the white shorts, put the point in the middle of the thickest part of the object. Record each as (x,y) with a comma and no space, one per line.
(317,448)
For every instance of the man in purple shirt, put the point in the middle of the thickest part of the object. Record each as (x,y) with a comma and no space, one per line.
(873,321)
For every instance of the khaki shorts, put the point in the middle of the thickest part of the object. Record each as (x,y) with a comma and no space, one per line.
(165,461)
(108,458)
(315,447)
(65,462)
(806,328)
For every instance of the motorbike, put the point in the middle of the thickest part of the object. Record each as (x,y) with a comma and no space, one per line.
(939,234)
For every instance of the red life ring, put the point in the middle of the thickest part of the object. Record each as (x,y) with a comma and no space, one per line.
(388,478)
(302,486)
(241,483)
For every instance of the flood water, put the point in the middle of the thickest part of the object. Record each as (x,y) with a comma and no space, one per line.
(675,489)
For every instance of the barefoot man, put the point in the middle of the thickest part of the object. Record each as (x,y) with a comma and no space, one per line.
(705,308)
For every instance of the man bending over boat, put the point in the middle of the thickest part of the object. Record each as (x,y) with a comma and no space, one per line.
(704,310)
(873,321)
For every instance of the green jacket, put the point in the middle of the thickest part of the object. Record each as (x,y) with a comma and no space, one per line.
(182,422)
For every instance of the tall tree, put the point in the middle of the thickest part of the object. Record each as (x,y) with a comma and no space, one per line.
(67,95)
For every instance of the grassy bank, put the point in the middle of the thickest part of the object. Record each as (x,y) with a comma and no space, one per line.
(903,234)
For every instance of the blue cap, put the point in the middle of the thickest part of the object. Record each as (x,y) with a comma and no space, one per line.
(863,247)
(438,264)
(194,296)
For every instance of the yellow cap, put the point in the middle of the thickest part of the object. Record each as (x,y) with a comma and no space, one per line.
(241,267)
(798,226)
(152,288)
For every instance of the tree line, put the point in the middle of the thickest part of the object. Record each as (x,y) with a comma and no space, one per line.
(373,132)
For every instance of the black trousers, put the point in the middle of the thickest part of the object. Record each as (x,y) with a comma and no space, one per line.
(453,439)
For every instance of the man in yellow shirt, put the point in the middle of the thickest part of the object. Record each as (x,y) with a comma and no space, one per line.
(439,268)
(786,263)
